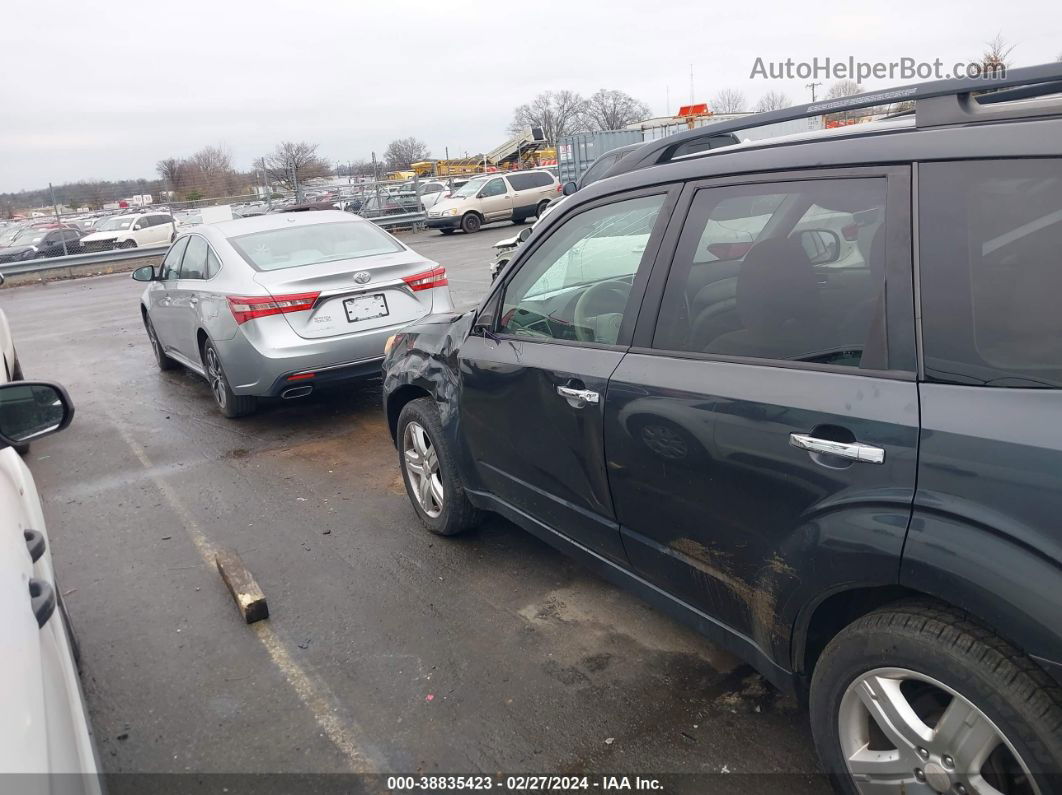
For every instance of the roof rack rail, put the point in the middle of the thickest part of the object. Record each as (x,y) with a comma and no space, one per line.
(937,103)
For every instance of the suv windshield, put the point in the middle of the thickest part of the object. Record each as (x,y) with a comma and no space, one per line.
(295,246)
(115,223)
(470,188)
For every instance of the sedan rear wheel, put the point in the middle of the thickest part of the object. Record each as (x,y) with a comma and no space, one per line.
(231,404)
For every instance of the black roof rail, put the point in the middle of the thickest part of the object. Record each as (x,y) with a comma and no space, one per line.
(938,102)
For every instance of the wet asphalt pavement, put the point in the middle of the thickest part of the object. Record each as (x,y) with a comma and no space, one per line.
(388,649)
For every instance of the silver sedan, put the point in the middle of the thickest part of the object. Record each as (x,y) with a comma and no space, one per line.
(280,305)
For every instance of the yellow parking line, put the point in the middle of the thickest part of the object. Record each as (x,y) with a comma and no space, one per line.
(313,695)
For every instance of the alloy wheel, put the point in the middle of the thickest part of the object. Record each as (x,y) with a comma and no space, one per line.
(154,340)
(422,467)
(216,377)
(904,732)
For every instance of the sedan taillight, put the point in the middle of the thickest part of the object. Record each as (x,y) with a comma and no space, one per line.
(248,307)
(436,277)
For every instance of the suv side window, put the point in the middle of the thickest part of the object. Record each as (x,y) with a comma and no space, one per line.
(789,270)
(496,187)
(990,264)
(172,263)
(194,265)
(597,169)
(540,179)
(575,285)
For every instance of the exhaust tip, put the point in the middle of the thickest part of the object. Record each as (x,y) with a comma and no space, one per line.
(296,392)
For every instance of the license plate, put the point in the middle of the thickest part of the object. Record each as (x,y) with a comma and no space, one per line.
(365,307)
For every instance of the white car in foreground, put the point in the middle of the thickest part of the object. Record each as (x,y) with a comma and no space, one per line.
(44,728)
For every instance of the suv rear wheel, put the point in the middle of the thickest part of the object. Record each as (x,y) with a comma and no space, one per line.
(429,471)
(918,698)
(471,223)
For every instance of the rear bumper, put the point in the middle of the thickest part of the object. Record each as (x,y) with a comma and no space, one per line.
(330,376)
(262,361)
(444,222)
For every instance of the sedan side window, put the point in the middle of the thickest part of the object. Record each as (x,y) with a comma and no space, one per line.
(787,271)
(194,265)
(172,264)
(576,284)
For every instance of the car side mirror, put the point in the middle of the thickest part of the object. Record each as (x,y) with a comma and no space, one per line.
(525,233)
(822,246)
(569,188)
(30,410)
(145,273)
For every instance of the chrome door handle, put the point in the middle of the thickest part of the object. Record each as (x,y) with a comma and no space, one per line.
(578,396)
(853,451)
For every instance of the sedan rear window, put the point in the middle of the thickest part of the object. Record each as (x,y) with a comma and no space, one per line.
(295,246)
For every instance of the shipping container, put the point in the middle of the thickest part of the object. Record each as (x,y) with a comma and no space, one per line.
(576,153)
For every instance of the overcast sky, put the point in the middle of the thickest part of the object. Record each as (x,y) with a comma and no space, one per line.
(105,89)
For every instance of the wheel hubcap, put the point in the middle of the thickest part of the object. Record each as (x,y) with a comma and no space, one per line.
(902,731)
(422,469)
(216,377)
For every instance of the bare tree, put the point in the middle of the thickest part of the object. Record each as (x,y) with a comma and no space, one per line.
(172,172)
(729,100)
(558,113)
(401,153)
(996,57)
(773,100)
(609,109)
(844,88)
(293,161)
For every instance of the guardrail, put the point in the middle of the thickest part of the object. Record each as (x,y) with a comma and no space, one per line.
(404,219)
(77,260)
(112,256)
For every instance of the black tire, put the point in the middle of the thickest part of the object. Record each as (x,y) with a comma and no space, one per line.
(457,514)
(16,375)
(127,244)
(470,223)
(542,205)
(447,231)
(161,359)
(230,404)
(1015,694)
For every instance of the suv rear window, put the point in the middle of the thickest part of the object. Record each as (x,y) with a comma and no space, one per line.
(990,262)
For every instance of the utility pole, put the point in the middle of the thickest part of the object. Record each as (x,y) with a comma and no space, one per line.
(812,87)
(295,183)
(58,219)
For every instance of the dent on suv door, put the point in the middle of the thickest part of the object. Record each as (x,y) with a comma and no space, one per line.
(762,432)
(531,397)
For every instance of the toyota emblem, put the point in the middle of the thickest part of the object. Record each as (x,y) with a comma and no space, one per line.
(362,277)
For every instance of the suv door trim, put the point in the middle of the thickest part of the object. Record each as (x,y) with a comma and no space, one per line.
(671,195)
(899,300)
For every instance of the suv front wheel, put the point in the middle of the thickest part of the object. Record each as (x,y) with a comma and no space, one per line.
(918,698)
(430,472)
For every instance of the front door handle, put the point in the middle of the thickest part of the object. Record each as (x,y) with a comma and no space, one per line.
(42,600)
(577,398)
(853,451)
